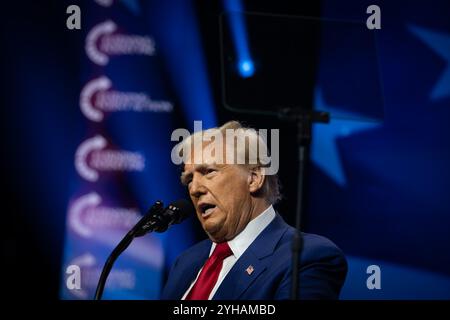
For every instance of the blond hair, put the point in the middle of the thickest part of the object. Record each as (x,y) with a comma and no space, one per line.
(271,186)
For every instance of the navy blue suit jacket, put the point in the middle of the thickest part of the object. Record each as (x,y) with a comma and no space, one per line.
(322,270)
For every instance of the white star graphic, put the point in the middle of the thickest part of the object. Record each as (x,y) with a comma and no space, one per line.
(324,152)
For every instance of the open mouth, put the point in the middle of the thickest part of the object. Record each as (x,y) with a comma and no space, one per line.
(206,209)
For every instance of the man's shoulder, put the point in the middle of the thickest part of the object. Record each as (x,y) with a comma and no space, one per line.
(314,246)
(314,241)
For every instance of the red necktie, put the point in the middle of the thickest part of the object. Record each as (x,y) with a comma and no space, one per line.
(210,273)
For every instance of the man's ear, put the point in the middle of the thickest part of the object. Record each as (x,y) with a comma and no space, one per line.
(256,179)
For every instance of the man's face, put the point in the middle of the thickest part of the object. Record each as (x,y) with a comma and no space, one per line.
(221,196)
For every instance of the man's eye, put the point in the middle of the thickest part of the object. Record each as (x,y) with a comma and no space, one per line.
(210,171)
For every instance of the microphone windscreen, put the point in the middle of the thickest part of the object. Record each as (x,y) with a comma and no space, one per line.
(183,207)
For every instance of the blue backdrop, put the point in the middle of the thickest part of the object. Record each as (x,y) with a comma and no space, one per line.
(380,190)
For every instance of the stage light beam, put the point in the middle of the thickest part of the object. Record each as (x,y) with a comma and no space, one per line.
(246,68)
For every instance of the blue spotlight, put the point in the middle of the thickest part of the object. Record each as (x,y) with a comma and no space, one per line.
(246,68)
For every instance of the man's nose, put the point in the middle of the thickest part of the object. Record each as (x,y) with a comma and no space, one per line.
(197,187)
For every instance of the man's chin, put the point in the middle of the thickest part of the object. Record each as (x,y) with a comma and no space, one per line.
(211,229)
(213,232)
(216,238)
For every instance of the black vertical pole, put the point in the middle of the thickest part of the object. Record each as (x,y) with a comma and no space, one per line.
(304,123)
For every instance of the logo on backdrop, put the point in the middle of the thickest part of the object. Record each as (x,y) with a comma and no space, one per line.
(83,272)
(102,42)
(92,157)
(96,98)
(86,214)
(104,3)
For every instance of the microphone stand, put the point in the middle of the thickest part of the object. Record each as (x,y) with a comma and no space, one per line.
(146,224)
(304,120)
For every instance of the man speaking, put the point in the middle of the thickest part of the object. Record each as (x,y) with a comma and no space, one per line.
(248,253)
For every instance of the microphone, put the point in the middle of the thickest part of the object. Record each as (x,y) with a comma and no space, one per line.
(157,219)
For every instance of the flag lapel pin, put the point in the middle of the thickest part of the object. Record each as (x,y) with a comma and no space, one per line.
(250,270)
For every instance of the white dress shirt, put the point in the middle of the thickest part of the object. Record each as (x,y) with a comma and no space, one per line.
(238,245)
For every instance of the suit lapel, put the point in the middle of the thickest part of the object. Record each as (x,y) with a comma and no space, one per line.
(239,279)
(189,270)
(250,265)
